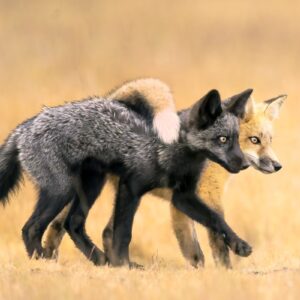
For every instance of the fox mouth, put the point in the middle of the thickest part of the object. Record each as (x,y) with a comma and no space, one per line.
(265,169)
(225,165)
(229,168)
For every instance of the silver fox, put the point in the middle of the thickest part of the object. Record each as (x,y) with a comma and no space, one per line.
(58,145)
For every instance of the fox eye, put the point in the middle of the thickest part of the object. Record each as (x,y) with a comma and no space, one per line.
(223,139)
(254,140)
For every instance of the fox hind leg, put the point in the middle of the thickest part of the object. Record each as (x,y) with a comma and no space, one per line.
(126,205)
(88,188)
(55,234)
(48,206)
(107,237)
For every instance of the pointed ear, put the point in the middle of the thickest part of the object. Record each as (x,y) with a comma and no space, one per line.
(273,106)
(249,109)
(237,103)
(206,110)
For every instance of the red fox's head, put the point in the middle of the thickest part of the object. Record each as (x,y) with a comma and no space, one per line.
(256,134)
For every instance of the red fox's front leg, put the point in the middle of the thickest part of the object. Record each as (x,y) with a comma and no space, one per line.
(186,235)
(196,209)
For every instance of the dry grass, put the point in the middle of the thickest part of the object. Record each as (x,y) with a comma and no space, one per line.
(61,50)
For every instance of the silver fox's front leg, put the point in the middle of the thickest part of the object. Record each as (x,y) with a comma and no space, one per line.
(186,235)
(196,209)
(126,204)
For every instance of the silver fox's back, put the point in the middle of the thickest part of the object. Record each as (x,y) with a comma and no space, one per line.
(62,136)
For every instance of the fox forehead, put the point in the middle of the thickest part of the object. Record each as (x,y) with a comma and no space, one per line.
(259,126)
(227,124)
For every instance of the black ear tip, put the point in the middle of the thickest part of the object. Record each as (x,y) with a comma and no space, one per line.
(213,93)
(248,92)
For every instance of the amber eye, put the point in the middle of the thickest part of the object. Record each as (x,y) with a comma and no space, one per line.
(254,140)
(223,139)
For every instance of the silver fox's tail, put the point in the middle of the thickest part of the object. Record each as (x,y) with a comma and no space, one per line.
(10,168)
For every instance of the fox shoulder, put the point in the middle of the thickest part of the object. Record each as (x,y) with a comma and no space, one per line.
(158,97)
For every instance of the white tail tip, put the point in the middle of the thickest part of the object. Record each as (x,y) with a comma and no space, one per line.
(167,125)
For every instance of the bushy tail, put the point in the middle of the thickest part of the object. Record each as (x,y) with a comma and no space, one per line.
(10,168)
(158,98)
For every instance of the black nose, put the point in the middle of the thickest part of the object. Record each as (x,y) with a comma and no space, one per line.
(277,166)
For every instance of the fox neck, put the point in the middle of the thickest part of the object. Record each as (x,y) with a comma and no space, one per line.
(180,152)
(213,184)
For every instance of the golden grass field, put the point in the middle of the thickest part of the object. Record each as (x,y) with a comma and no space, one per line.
(55,51)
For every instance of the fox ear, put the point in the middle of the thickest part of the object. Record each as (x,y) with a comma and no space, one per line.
(273,106)
(249,109)
(237,103)
(206,110)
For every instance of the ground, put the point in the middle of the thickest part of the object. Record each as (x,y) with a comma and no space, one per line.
(57,51)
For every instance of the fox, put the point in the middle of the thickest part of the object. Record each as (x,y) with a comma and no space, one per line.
(255,141)
(256,133)
(68,150)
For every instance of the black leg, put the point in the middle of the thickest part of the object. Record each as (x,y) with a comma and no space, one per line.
(48,206)
(125,207)
(88,188)
(196,209)
(91,173)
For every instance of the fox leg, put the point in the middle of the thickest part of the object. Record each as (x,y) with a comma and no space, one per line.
(196,209)
(55,234)
(48,206)
(92,179)
(212,191)
(186,235)
(107,237)
(219,249)
(87,188)
(107,234)
(126,204)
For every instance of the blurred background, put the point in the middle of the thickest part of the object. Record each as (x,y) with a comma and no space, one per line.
(57,51)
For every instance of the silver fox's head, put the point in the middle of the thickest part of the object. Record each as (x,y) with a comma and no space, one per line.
(213,128)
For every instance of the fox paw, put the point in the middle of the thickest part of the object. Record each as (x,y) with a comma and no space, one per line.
(134,265)
(242,248)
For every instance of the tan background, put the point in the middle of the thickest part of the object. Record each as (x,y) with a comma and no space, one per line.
(56,51)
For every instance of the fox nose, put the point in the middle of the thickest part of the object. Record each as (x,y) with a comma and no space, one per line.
(277,166)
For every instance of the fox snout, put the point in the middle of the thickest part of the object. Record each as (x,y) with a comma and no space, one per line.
(238,162)
(245,164)
(268,166)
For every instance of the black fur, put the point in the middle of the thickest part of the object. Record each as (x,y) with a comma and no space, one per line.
(92,180)
(10,170)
